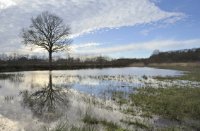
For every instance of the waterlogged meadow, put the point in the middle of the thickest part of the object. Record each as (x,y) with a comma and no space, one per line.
(121,99)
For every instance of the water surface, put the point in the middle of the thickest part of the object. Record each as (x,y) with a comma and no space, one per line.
(33,98)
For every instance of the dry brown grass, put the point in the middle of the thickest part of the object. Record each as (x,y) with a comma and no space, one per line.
(186,64)
(179,66)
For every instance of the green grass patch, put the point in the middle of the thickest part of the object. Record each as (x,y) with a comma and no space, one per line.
(174,102)
(119,97)
(130,111)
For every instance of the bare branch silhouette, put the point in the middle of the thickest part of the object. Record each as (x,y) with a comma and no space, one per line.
(48,32)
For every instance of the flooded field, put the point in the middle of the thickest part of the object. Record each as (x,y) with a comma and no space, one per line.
(91,99)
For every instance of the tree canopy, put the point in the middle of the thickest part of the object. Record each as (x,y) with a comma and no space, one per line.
(48,32)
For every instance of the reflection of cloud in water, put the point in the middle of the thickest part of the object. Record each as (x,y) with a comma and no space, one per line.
(40,105)
(46,98)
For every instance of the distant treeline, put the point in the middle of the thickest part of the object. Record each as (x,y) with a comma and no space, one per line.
(33,63)
(188,55)
(15,62)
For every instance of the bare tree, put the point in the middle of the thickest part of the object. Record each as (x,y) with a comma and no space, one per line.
(48,32)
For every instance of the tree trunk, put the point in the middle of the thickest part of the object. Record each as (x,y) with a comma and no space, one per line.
(50,60)
(50,92)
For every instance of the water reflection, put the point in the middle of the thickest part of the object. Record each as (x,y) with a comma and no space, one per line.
(15,78)
(47,103)
(45,99)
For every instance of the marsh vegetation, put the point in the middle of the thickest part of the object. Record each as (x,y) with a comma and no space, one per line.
(121,99)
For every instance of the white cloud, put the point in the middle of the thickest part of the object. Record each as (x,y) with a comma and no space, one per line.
(96,49)
(83,15)
(6,3)
(85,45)
(145,31)
(118,13)
(149,46)
(156,1)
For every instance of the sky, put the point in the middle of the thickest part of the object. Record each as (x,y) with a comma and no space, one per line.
(114,28)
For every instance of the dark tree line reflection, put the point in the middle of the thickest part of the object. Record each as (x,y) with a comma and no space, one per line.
(49,103)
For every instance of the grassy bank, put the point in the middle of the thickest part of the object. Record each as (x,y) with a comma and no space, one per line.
(177,104)
(192,70)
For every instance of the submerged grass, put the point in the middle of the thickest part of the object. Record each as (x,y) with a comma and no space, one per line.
(173,103)
(66,127)
(136,123)
(84,128)
(109,126)
(12,77)
(6,76)
(90,120)
(119,97)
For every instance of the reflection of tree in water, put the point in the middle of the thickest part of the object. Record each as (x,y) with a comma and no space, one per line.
(49,103)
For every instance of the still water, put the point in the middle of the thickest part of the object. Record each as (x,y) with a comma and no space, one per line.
(33,99)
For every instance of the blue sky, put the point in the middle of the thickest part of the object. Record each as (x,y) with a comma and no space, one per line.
(185,29)
(115,28)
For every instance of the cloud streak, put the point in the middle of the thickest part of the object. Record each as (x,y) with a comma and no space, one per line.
(149,46)
(83,15)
